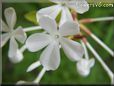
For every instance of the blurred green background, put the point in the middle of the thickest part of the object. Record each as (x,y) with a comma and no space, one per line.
(66,73)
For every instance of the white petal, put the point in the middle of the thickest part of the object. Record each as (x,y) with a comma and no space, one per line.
(91,62)
(51,11)
(69,28)
(73,50)
(12,47)
(10,16)
(20,35)
(48,24)
(50,58)
(4,38)
(18,57)
(33,66)
(83,68)
(80,6)
(4,27)
(37,41)
(65,15)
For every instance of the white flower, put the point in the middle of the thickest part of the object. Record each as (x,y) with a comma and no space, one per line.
(84,66)
(63,6)
(9,33)
(50,58)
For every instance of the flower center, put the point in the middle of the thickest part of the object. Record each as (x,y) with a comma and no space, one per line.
(12,33)
(57,36)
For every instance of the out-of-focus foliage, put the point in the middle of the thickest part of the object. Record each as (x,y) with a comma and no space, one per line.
(31,16)
(66,73)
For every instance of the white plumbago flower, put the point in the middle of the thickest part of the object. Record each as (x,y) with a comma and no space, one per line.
(52,40)
(10,34)
(84,66)
(63,6)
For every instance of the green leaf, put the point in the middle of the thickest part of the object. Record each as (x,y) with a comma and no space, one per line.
(31,16)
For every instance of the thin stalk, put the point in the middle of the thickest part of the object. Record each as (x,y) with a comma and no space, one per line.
(32,28)
(85,50)
(33,66)
(102,44)
(106,68)
(112,82)
(85,29)
(90,20)
(39,77)
(23,48)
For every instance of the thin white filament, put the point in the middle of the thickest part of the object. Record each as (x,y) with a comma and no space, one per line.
(32,28)
(112,82)
(40,75)
(85,50)
(102,19)
(106,68)
(103,45)
(33,66)
(23,48)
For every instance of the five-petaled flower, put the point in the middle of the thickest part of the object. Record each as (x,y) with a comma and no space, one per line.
(9,33)
(53,40)
(63,6)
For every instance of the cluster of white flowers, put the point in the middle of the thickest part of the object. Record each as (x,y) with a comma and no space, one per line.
(54,37)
